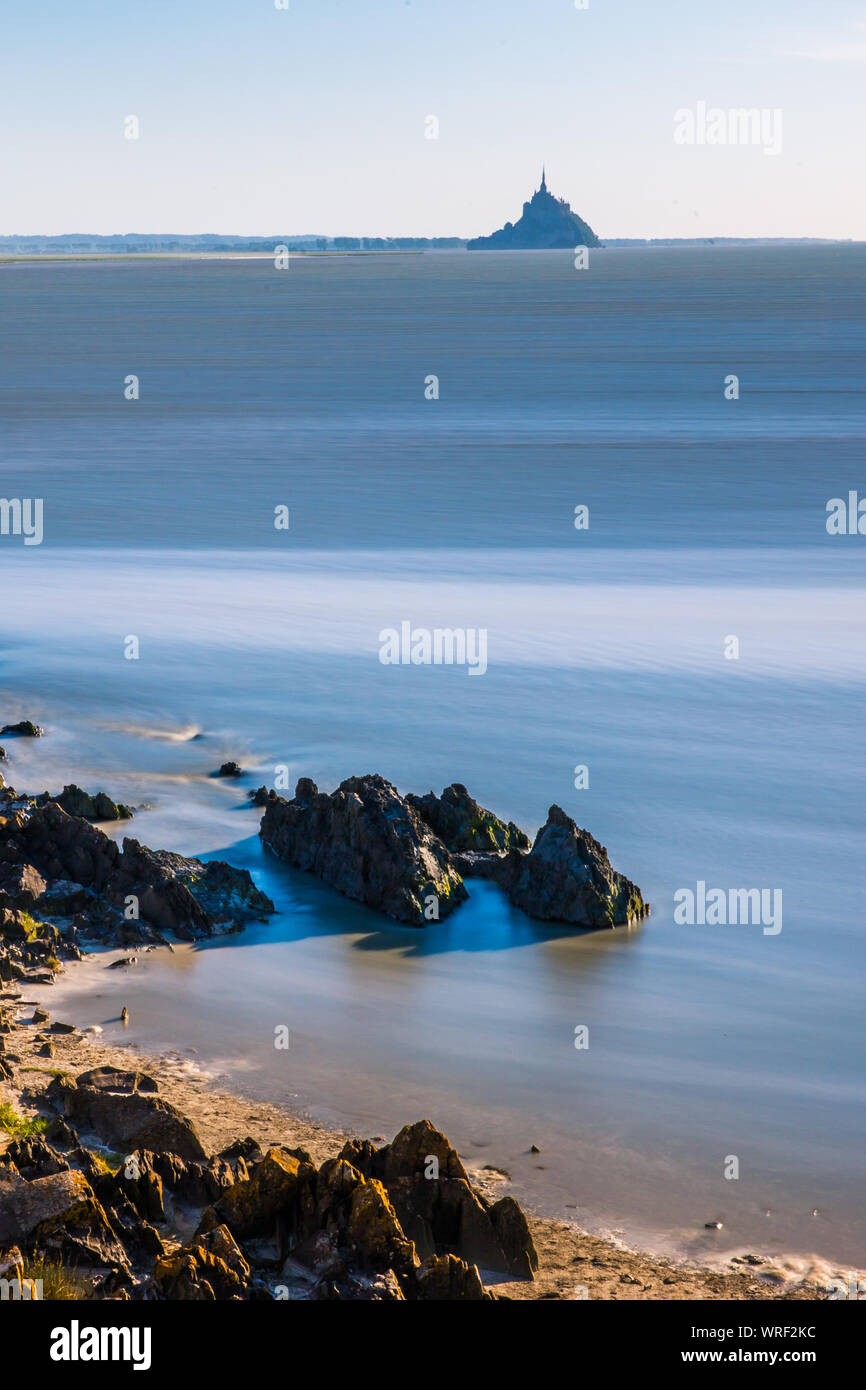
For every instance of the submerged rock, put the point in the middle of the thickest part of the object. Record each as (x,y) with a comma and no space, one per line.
(369,843)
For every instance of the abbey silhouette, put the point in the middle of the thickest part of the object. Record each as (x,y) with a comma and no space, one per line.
(547,223)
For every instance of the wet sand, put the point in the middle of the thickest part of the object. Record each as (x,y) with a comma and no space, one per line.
(573,1264)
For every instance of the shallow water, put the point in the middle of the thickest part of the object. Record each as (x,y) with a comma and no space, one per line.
(605,649)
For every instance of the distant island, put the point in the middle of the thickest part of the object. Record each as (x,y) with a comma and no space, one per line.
(547,224)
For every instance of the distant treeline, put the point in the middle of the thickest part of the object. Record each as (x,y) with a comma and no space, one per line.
(133,242)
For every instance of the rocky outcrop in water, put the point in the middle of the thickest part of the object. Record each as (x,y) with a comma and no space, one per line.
(464,826)
(567,877)
(63,881)
(396,854)
(25,729)
(76,802)
(369,843)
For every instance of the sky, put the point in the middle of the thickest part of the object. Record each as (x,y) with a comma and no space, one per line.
(256,120)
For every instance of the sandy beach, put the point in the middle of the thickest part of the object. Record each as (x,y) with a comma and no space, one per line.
(573,1264)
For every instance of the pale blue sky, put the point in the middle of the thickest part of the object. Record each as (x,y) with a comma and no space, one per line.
(256,120)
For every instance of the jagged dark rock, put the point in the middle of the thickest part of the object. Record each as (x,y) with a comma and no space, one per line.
(447,1278)
(24,729)
(397,854)
(567,877)
(80,865)
(100,807)
(58,1213)
(369,843)
(395,1223)
(547,223)
(463,825)
(230,770)
(131,1120)
(248,1149)
(21,886)
(35,1158)
(260,1205)
(210,1268)
(436,1205)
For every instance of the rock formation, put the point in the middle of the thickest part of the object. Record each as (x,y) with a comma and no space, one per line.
(464,826)
(369,843)
(547,224)
(395,1223)
(395,853)
(567,877)
(62,880)
(76,802)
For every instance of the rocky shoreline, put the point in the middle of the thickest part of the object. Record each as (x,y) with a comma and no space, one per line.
(117,1181)
(117,1241)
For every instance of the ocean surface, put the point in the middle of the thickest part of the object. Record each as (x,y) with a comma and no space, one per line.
(606,649)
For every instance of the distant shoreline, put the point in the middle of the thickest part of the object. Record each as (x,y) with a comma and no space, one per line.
(94,257)
(167,247)
(30,258)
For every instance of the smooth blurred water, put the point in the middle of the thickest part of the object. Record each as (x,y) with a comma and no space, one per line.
(606,648)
